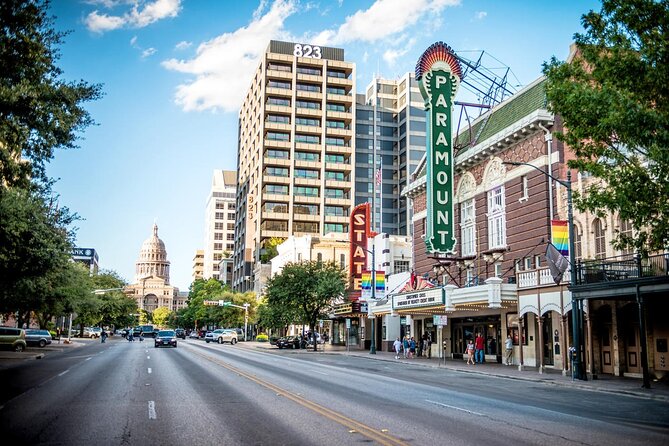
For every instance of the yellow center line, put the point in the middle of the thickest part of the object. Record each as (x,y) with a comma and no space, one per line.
(353,425)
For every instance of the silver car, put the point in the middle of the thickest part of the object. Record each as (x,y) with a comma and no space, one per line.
(38,337)
(221,335)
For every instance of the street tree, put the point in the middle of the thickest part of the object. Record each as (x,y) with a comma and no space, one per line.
(39,111)
(307,290)
(61,291)
(271,249)
(161,315)
(614,100)
(116,308)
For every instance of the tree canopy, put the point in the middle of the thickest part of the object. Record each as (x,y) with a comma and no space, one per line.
(305,291)
(614,100)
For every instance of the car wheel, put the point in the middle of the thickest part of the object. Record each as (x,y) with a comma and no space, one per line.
(220,339)
(42,343)
(18,348)
(233,341)
(207,341)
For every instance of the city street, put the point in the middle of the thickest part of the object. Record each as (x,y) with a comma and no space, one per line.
(131,393)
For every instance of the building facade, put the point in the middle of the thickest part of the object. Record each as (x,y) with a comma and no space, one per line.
(220,214)
(198,264)
(151,288)
(296,151)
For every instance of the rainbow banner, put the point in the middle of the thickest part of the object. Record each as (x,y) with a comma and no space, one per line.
(560,236)
(366,280)
(380,284)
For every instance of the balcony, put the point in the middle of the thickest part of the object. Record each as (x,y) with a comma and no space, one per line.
(300,181)
(278,108)
(276,74)
(310,129)
(345,150)
(308,147)
(336,219)
(334,97)
(276,161)
(339,114)
(622,269)
(274,91)
(340,81)
(276,143)
(334,131)
(342,201)
(308,112)
(275,179)
(303,94)
(266,233)
(538,278)
(310,78)
(307,164)
(271,125)
(306,199)
(275,215)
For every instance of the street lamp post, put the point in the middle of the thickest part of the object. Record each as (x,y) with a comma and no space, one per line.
(244,307)
(575,306)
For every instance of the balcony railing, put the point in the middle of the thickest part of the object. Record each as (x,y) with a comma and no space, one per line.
(621,268)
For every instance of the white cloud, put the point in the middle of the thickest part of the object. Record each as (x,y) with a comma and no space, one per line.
(480,15)
(133,41)
(392,54)
(148,52)
(223,67)
(183,45)
(384,18)
(137,17)
(365,57)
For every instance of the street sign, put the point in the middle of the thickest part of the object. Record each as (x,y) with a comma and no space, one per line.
(348,323)
(440,319)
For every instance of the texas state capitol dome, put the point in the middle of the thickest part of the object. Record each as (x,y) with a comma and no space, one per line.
(152,287)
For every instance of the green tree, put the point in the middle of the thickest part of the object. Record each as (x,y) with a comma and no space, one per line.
(61,292)
(614,100)
(271,249)
(161,315)
(306,290)
(39,111)
(116,307)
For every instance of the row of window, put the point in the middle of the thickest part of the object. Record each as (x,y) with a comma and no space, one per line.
(306,70)
(308,139)
(311,105)
(305,173)
(305,191)
(219,236)
(219,226)
(312,122)
(221,216)
(307,156)
(306,209)
(301,226)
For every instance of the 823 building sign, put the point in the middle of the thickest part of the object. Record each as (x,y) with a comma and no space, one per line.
(305,50)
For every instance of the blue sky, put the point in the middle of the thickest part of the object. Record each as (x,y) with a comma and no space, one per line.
(174,73)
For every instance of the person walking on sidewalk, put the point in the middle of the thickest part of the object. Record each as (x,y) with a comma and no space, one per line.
(470,352)
(412,347)
(479,345)
(397,346)
(405,346)
(508,346)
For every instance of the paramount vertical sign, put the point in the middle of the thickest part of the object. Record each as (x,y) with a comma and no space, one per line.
(438,74)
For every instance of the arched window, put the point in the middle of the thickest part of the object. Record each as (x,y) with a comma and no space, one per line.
(600,238)
(578,239)
(625,228)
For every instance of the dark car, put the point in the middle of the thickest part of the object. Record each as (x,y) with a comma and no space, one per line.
(165,338)
(38,337)
(181,333)
(293,342)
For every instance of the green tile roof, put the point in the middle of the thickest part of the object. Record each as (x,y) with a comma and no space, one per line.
(513,110)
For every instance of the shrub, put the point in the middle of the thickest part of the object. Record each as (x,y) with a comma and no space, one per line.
(262,337)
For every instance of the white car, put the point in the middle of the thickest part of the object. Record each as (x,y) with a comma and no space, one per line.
(221,335)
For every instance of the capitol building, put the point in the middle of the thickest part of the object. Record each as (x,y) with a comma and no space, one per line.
(151,288)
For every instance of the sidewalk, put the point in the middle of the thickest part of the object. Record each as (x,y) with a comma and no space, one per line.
(659,391)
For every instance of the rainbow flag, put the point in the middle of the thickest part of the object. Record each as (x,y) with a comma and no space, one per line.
(380,281)
(560,236)
(366,283)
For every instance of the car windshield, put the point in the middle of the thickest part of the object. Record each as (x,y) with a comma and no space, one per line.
(166,333)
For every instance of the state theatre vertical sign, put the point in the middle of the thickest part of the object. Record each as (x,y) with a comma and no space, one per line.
(359,233)
(438,73)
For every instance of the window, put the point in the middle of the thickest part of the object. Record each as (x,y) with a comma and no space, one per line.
(336,90)
(625,227)
(577,243)
(308,121)
(300,226)
(498,270)
(229,236)
(230,246)
(220,205)
(335,211)
(308,139)
(276,136)
(279,84)
(276,189)
(342,261)
(527,261)
(401,266)
(537,261)
(231,215)
(218,236)
(496,218)
(330,158)
(335,141)
(280,154)
(306,173)
(218,226)
(334,193)
(278,67)
(278,118)
(468,227)
(231,227)
(276,207)
(306,209)
(336,107)
(600,239)
(307,156)
(334,227)
(309,87)
(304,191)
(524,188)
(337,176)
(309,70)
(220,215)
(308,104)
(319,257)
(218,246)
(276,171)
(337,74)
(335,124)
(278,101)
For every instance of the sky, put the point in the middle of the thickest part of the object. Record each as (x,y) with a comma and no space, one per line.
(174,73)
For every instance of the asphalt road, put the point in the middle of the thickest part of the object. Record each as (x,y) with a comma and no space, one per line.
(122,393)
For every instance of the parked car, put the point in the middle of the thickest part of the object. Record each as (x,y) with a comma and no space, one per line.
(319,339)
(293,342)
(181,333)
(38,337)
(194,334)
(92,332)
(165,338)
(221,335)
(14,338)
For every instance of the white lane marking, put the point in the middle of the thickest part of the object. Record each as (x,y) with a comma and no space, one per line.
(456,408)
(61,374)
(148,357)
(149,369)
(152,410)
(88,359)
(318,371)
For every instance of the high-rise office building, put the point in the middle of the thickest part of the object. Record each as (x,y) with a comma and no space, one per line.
(198,264)
(219,230)
(296,151)
(390,136)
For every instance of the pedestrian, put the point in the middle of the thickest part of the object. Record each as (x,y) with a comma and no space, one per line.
(412,347)
(508,345)
(141,336)
(429,346)
(405,346)
(397,346)
(103,336)
(131,335)
(479,345)
(58,334)
(470,352)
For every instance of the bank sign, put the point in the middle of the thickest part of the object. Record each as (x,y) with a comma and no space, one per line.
(438,74)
